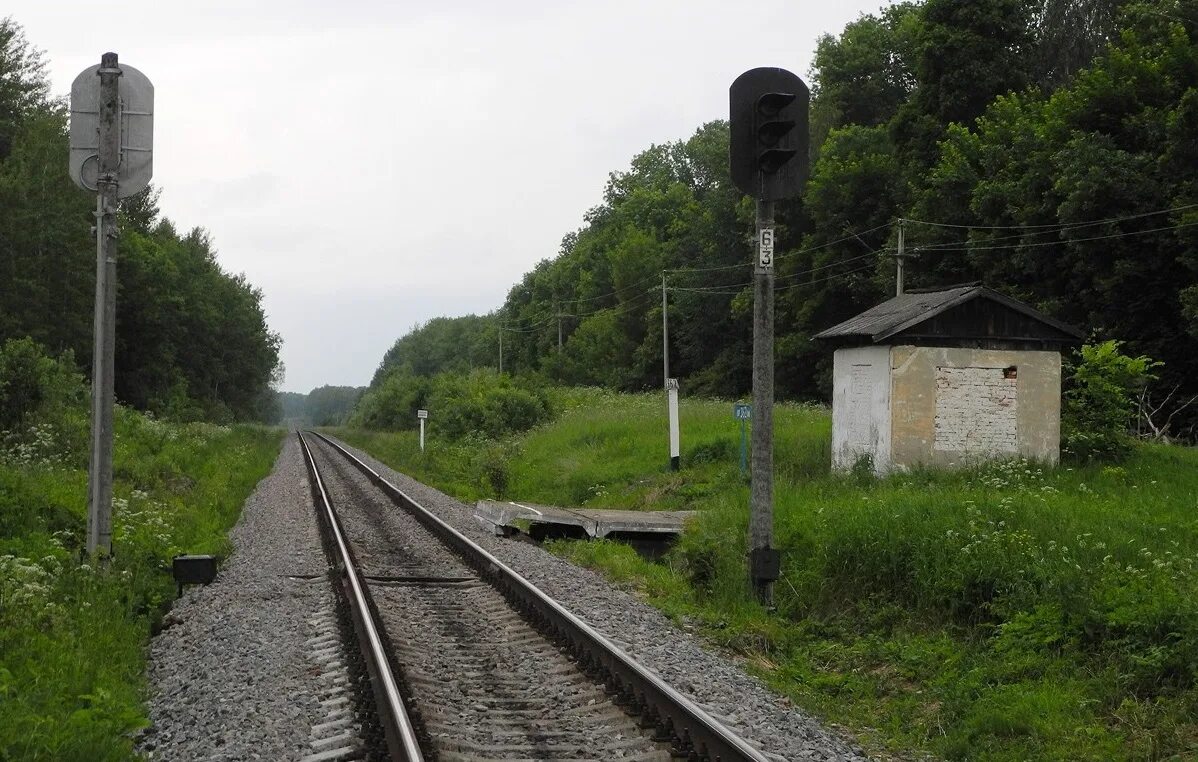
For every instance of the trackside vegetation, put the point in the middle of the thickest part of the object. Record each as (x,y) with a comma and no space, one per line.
(73,635)
(1008,611)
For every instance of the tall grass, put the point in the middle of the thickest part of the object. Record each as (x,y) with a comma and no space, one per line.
(1010,611)
(73,636)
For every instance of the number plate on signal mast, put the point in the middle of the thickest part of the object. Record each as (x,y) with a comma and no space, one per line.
(765,249)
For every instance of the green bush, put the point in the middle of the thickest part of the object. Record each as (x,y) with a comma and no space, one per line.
(43,406)
(1102,388)
(484,403)
(391,405)
(34,385)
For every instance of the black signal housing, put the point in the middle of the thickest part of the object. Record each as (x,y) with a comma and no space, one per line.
(768,114)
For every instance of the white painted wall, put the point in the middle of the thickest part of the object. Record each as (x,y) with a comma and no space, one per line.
(861,407)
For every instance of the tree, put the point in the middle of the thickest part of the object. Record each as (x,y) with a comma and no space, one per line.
(1069,35)
(866,73)
(966,54)
(24,86)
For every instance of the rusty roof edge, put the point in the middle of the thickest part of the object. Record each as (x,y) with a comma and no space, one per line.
(957,300)
(966,294)
(1030,311)
(989,293)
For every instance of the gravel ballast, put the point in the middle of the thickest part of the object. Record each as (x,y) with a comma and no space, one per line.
(250,665)
(708,678)
(481,681)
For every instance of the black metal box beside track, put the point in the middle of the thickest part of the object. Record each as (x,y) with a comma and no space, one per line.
(194,570)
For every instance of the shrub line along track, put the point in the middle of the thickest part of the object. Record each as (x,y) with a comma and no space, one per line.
(641,693)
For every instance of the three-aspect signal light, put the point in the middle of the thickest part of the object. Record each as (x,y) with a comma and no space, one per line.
(773,131)
(769,140)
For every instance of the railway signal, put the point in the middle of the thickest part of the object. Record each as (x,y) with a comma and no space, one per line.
(769,138)
(111,153)
(768,160)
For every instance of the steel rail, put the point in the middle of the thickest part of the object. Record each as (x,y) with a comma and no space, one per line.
(398,729)
(696,731)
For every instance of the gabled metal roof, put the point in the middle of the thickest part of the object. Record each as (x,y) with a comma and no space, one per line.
(914,307)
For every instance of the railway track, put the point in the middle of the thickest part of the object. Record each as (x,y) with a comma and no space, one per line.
(468,660)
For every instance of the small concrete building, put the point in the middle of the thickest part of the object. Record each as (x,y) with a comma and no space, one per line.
(944,378)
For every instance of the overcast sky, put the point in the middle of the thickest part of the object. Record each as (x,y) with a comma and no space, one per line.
(371,165)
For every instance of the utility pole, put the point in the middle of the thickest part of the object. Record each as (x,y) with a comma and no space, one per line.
(671,384)
(763,558)
(558,312)
(99,492)
(900,256)
(665,332)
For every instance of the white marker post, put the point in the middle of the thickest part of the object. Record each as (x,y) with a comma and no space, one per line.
(672,392)
(422,415)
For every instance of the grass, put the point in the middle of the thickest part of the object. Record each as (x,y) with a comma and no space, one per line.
(1005,612)
(72,635)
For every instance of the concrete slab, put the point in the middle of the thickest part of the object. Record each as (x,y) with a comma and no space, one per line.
(505,518)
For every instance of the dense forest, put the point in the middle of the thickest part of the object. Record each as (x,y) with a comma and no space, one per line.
(191,339)
(1044,147)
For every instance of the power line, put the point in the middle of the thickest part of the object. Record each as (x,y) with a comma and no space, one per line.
(1055,226)
(791,276)
(744,265)
(636,301)
(547,319)
(834,276)
(614,292)
(966,246)
(713,292)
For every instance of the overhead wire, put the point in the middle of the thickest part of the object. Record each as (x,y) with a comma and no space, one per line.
(641,299)
(785,255)
(714,292)
(949,246)
(790,276)
(968,246)
(627,306)
(1055,226)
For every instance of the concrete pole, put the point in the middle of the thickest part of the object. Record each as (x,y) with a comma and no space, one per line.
(99,492)
(900,255)
(665,334)
(762,557)
(671,385)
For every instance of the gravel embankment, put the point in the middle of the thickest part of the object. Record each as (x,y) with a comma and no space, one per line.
(712,680)
(251,666)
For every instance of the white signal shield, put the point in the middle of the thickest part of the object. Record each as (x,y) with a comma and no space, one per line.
(136,122)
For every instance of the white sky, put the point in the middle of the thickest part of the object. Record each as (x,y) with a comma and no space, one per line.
(371,165)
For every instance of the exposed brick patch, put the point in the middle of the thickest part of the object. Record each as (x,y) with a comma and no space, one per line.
(976,411)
